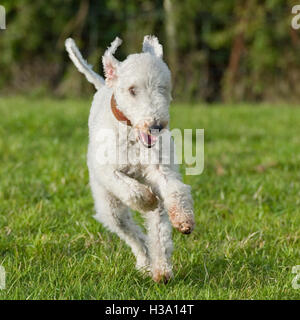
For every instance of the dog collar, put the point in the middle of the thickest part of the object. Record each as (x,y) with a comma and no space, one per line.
(118,113)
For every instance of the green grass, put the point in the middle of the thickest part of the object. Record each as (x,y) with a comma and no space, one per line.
(246,206)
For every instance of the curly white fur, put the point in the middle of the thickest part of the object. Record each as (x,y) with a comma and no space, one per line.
(156,190)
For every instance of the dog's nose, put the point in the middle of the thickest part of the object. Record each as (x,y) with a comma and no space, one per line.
(156,128)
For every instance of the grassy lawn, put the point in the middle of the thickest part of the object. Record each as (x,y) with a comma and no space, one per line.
(247,207)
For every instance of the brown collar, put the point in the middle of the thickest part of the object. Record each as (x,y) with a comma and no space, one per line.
(118,113)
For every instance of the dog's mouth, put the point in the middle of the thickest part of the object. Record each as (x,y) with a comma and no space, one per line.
(148,140)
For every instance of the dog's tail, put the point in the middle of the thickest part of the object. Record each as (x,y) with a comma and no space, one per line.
(82,65)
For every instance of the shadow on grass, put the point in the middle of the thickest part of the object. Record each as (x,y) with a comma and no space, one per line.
(236,272)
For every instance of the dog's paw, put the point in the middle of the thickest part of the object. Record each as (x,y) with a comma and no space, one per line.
(181,220)
(159,275)
(180,210)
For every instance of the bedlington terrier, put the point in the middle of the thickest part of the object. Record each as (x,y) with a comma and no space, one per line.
(135,96)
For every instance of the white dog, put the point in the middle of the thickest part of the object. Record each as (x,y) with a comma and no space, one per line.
(135,95)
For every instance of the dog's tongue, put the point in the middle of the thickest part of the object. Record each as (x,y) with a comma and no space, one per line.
(148,140)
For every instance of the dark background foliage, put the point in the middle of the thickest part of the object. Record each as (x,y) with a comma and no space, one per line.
(222,50)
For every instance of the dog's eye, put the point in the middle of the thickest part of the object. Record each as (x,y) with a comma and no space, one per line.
(132,91)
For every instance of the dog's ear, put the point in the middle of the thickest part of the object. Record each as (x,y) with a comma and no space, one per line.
(110,63)
(152,46)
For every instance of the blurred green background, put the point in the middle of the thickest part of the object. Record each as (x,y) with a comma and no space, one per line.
(227,51)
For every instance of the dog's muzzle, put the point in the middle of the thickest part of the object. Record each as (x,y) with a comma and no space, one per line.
(149,136)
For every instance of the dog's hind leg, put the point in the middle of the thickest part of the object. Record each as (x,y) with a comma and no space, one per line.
(118,218)
(160,244)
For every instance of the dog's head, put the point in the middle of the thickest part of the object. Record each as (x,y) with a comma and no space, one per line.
(142,87)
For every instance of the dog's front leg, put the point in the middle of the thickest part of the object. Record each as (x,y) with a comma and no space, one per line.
(175,195)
